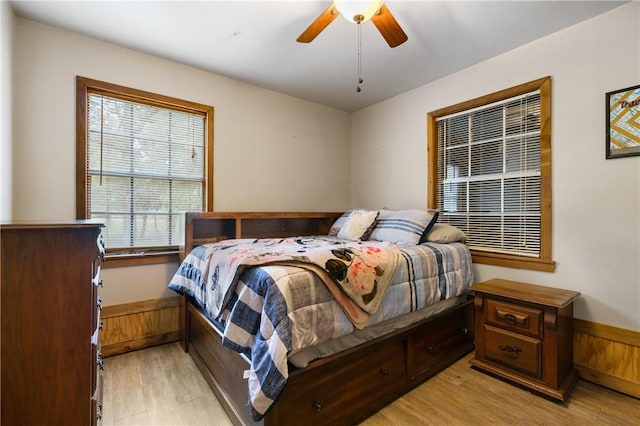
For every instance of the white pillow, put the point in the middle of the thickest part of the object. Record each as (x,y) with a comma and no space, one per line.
(358,225)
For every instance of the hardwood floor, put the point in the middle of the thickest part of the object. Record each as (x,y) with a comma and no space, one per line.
(162,386)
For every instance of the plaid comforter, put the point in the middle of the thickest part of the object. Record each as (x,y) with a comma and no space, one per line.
(275,310)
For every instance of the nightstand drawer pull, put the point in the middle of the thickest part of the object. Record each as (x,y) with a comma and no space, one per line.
(512,318)
(510,351)
(317,406)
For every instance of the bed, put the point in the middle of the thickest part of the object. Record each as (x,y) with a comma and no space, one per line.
(275,343)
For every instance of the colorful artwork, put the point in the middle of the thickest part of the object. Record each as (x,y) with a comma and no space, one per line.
(623,122)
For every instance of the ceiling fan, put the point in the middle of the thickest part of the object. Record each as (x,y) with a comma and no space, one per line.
(358,12)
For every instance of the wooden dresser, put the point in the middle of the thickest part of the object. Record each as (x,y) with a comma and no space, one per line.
(50,319)
(524,333)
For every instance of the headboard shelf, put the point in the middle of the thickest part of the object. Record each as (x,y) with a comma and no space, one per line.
(206,227)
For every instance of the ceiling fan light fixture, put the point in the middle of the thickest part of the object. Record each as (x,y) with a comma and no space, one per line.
(358,11)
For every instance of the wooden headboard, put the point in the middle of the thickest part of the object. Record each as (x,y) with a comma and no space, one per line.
(206,227)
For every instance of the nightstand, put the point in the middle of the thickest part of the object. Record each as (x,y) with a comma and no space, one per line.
(524,334)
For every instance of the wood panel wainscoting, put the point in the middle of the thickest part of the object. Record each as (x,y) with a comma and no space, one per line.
(137,325)
(608,356)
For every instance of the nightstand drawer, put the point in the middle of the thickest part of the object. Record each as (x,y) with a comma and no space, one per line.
(515,351)
(520,319)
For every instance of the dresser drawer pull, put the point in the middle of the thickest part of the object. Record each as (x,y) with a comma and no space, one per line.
(100,361)
(317,406)
(101,246)
(384,371)
(510,351)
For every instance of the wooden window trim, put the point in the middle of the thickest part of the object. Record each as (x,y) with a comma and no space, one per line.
(140,259)
(84,86)
(545,261)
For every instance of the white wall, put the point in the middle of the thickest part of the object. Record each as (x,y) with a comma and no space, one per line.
(6,61)
(596,202)
(271,151)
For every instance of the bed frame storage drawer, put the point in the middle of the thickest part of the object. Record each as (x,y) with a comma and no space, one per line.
(322,399)
(427,349)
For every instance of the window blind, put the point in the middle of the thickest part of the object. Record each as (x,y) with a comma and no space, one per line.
(145,167)
(488,181)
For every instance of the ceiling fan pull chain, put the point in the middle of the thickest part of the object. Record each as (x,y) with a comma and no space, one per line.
(360,80)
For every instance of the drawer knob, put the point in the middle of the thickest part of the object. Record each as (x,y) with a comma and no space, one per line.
(317,406)
(510,351)
(384,371)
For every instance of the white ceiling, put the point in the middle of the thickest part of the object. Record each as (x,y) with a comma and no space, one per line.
(255,41)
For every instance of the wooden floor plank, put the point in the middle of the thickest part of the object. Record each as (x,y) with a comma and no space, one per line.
(123,386)
(158,386)
(162,386)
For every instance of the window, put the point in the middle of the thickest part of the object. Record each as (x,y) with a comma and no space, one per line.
(142,160)
(490,174)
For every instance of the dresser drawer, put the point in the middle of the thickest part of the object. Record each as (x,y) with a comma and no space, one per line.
(516,351)
(520,319)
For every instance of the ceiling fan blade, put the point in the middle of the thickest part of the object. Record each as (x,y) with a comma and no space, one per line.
(389,27)
(318,25)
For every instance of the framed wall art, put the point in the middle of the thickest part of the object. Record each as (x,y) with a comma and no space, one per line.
(623,122)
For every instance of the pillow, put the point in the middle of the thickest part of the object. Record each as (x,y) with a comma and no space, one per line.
(403,226)
(358,225)
(445,233)
(337,225)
